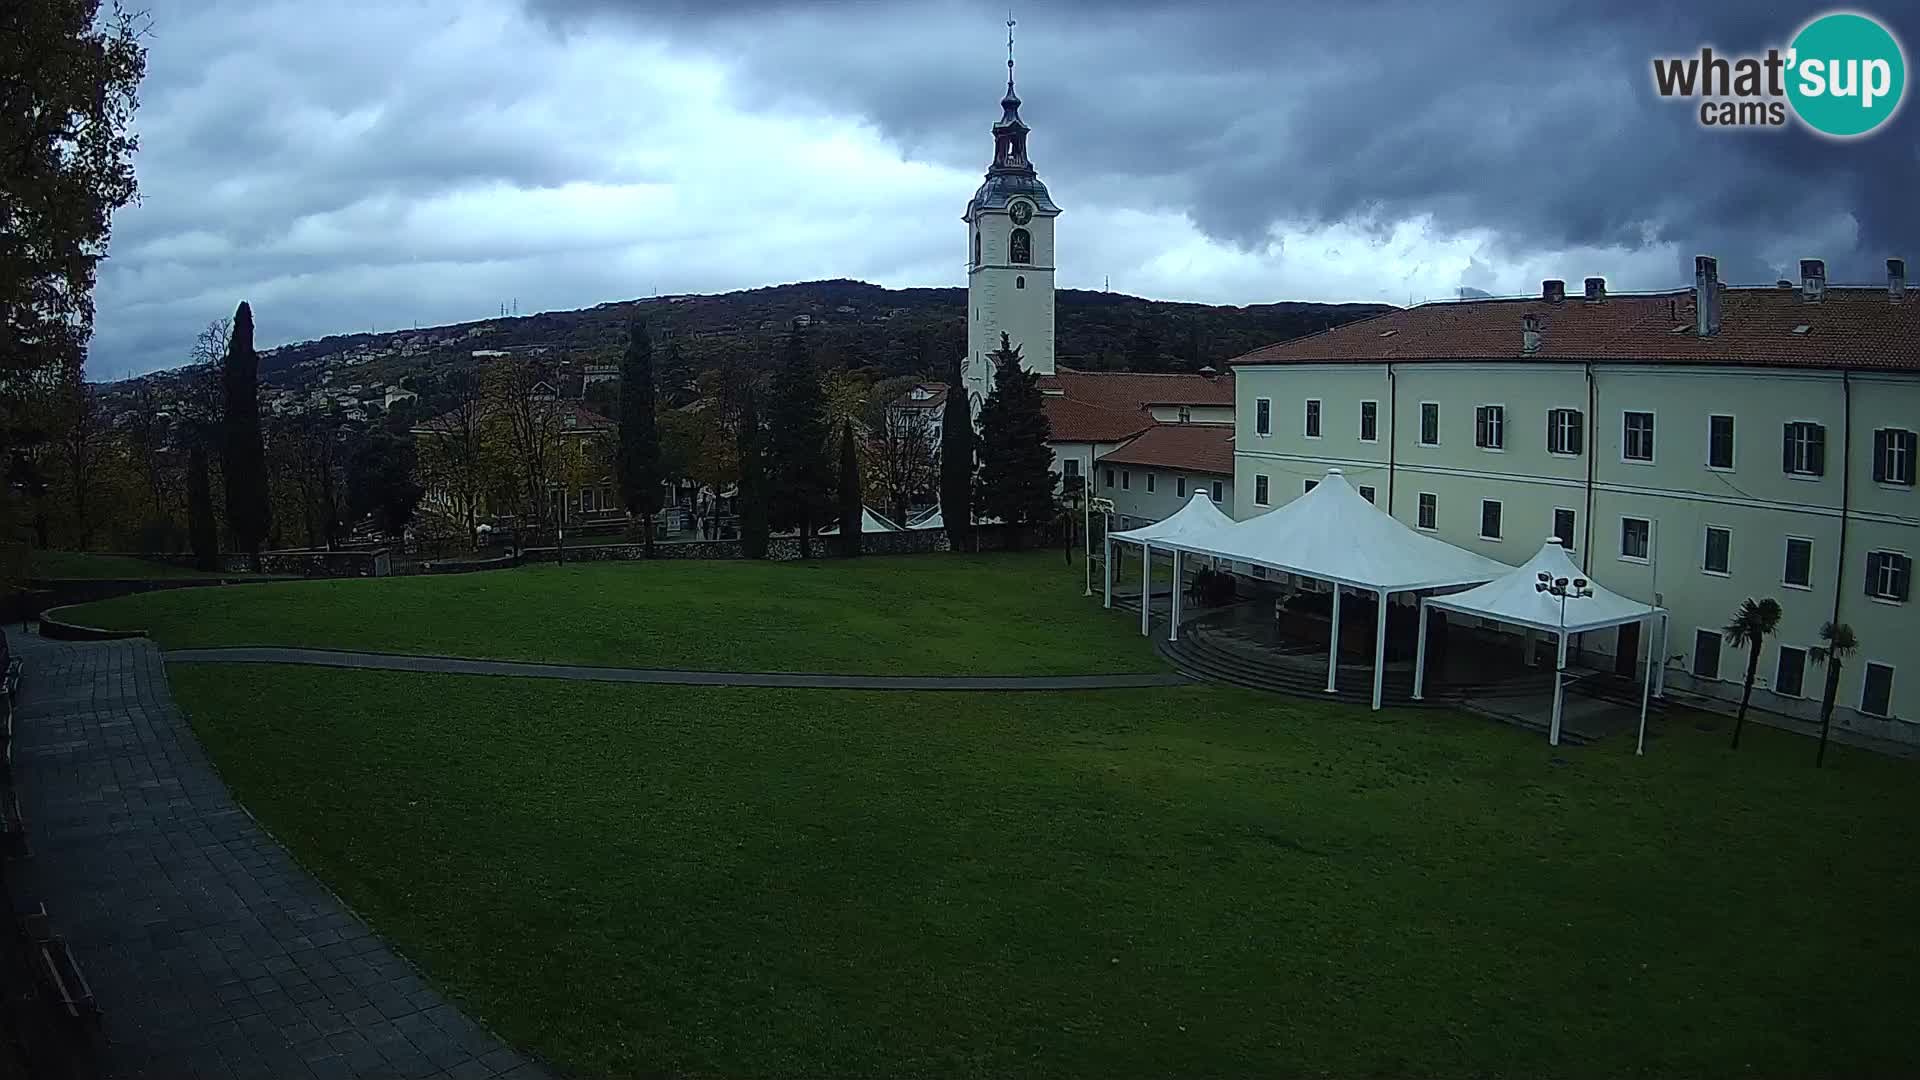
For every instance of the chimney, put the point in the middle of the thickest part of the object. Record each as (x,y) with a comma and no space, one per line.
(1208,373)
(1596,289)
(1896,280)
(1706,295)
(1530,334)
(1553,291)
(1813,280)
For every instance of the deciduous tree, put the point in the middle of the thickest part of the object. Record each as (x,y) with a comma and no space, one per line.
(639,459)
(380,482)
(752,493)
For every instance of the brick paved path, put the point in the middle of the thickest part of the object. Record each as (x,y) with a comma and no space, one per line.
(211,952)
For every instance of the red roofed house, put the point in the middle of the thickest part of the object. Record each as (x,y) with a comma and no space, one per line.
(1690,448)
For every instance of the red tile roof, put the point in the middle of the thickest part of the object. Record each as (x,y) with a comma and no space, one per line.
(1204,448)
(1855,328)
(1129,390)
(1077,421)
(936,397)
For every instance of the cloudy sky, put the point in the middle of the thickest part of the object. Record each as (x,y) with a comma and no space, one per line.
(373,164)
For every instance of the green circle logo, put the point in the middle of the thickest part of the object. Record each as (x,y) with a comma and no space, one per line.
(1846,74)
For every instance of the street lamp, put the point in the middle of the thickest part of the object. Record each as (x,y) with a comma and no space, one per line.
(1563,588)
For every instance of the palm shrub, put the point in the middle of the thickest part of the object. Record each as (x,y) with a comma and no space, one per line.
(1749,628)
(1838,646)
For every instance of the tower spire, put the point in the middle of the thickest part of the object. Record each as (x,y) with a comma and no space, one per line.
(1010,25)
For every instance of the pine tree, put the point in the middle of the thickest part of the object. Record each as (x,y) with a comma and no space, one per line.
(639,460)
(797,444)
(956,462)
(851,517)
(752,491)
(201,528)
(244,466)
(1016,477)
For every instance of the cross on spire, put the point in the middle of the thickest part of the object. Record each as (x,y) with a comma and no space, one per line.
(1010,25)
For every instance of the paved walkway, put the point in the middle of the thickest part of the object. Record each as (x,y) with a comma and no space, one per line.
(212,954)
(457,666)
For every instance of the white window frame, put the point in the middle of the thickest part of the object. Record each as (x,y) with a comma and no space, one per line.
(1719,655)
(1887,468)
(1419,504)
(1892,674)
(1484,503)
(1362,429)
(1641,559)
(588,498)
(1179,487)
(1495,420)
(1126,479)
(1879,597)
(1653,436)
(1262,490)
(1733,453)
(1263,425)
(1796,473)
(1554,416)
(1420,433)
(1313,415)
(1779,658)
(1786,560)
(1150,485)
(1572,543)
(1218,492)
(1706,545)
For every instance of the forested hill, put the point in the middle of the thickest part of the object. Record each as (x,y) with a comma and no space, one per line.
(856,326)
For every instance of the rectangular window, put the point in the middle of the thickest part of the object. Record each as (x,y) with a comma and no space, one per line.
(1429,423)
(1126,479)
(1262,416)
(1490,427)
(1634,536)
(1706,654)
(1180,487)
(1720,442)
(1218,489)
(1489,519)
(1149,483)
(1429,510)
(1070,468)
(586,500)
(1803,449)
(1719,550)
(1563,522)
(1889,575)
(1799,569)
(1259,491)
(1109,478)
(1309,486)
(1876,691)
(1313,418)
(1566,431)
(1789,678)
(1369,421)
(1366,492)
(1636,435)
(1893,456)
(606,498)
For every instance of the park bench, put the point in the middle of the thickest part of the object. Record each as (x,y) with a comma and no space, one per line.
(58,969)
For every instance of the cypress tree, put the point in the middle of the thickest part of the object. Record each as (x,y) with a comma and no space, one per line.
(639,460)
(752,491)
(797,441)
(201,528)
(244,466)
(850,507)
(956,462)
(1016,478)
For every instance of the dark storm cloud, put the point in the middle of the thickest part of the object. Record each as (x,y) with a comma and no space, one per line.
(1537,121)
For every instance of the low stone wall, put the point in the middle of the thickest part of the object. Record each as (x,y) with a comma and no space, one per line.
(315,563)
(779,548)
(56,628)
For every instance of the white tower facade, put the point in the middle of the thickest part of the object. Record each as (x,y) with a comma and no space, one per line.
(1009,255)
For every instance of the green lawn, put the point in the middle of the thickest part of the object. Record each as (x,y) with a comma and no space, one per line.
(88,564)
(987,614)
(664,880)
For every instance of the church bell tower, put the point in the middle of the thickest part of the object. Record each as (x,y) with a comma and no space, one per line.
(1010,255)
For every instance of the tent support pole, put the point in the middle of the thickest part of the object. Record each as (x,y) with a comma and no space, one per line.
(1379,648)
(1559,691)
(1333,653)
(1526,643)
(1146,588)
(1646,688)
(1173,618)
(1420,652)
(1106,572)
(1660,672)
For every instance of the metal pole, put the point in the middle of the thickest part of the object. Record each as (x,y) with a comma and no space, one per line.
(1173,619)
(1333,654)
(1146,588)
(1086,516)
(1379,648)
(1559,675)
(1646,688)
(1420,653)
(1646,629)
(1106,571)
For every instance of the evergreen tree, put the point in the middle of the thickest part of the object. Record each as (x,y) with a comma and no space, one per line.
(851,517)
(639,461)
(1016,478)
(797,444)
(201,528)
(752,490)
(956,462)
(244,466)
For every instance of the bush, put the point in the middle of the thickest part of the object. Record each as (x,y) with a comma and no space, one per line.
(1213,587)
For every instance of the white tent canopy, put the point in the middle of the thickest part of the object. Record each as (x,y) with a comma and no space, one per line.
(870,522)
(1194,523)
(1548,592)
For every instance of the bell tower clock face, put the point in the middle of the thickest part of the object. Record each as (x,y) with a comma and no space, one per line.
(1022,213)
